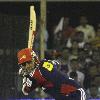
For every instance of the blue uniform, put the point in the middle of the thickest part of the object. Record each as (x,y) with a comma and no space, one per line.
(53,82)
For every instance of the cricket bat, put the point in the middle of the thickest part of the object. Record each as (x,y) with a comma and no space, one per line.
(32,27)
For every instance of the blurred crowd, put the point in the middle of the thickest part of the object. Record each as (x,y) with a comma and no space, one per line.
(77,49)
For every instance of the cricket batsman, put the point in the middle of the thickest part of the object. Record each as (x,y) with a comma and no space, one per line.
(44,74)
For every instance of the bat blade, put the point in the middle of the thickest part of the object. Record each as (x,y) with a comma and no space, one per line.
(32,27)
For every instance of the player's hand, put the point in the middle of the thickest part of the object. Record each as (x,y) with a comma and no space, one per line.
(27,82)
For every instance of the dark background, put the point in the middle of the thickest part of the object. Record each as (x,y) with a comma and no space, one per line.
(55,10)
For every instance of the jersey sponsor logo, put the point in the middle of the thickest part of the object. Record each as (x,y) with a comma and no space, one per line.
(48,66)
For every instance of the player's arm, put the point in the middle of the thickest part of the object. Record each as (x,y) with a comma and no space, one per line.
(29,84)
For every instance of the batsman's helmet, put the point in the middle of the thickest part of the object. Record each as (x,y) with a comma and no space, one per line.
(26,55)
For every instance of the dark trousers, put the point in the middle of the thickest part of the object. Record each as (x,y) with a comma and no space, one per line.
(77,95)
